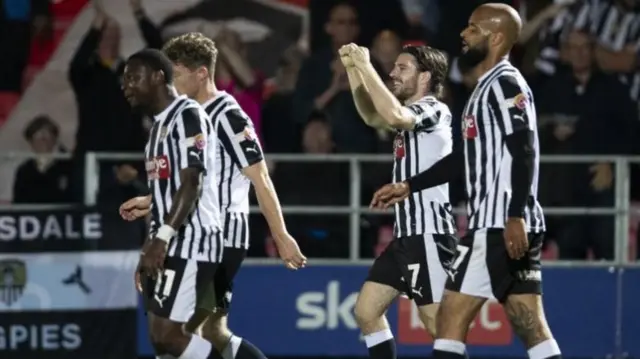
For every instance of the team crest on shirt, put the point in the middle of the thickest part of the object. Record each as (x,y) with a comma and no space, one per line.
(198,141)
(520,101)
(398,146)
(157,168)
(469,127)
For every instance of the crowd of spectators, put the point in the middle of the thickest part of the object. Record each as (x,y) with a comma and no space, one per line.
(581,59)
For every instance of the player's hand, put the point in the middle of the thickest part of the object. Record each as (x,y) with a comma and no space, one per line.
(389,195)
(602,176)
(135,208)
(345,55)
(153,258)
(360,56)
(515,237)
(290,252)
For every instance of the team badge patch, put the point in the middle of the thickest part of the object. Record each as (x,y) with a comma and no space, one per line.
(520,101)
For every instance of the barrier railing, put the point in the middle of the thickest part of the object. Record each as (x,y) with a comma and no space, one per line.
(621,209)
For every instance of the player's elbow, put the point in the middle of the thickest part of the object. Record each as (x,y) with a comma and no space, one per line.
(396,118)
(258,174)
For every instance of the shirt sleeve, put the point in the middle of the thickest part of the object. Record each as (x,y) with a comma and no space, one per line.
(239,139)
(511,105)
(191,135)
(427,114)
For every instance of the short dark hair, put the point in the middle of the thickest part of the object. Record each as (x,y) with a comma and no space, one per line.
(156,60)
(38,123)
(433,61)
(192,50)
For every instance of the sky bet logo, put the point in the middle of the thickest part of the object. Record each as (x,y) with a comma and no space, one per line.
(328,309)
(491,326)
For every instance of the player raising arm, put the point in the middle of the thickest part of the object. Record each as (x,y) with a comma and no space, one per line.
(414,263)
(499,257)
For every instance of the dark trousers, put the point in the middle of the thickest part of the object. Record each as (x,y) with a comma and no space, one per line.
(589,232)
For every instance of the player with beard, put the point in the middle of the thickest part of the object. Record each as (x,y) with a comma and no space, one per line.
(414,263)
(499,257)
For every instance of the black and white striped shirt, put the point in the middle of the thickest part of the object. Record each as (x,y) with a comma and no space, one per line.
(183,137)
(238,147)
(615,29)
(579,16)
(429,210)
(501,104)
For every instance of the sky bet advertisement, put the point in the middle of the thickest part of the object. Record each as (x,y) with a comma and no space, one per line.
(593,312)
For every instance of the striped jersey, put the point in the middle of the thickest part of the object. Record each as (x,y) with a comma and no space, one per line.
(579,16)
(611,26)
(238,147)
(501,104)
(429,210)
(183,137)
(618,29)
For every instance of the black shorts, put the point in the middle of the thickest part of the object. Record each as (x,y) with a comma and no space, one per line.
(182,284)
(415,266)
(223,279)
(484,269)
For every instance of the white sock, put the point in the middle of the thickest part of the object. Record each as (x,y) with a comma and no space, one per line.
(544,350)
(373,339)
(198,348)
(231,350)
(448,345)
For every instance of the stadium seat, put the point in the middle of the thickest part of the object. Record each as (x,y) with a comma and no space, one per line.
(8,100)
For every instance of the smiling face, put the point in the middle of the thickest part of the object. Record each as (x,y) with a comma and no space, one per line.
(138,84)
(404,77)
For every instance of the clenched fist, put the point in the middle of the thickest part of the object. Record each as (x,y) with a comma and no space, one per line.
(354,55)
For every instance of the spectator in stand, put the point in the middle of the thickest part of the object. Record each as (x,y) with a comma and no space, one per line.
(235,75)
(105,119)
(42,179)
(552,24)
(20,21)
(423,16)
(385,50)
(322,184)
(584,111)
(323,86)
(618,42)
(280,130)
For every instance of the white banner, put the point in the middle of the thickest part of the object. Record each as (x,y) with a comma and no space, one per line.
(68,281)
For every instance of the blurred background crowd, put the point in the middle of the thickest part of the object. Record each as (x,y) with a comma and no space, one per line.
(580,57)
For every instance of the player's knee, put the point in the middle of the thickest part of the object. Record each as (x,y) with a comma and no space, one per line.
(166,336)
(428,314)
(455,314)
(365,314)
(216,331)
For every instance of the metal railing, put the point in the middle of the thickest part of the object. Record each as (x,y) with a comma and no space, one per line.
(621,209)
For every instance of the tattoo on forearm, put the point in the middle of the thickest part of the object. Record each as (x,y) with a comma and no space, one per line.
(526,324)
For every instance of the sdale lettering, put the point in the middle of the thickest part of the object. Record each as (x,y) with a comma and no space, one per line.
(50,227)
